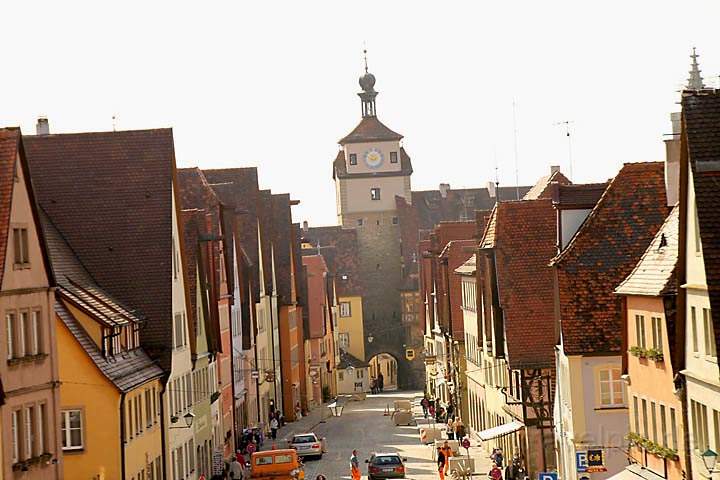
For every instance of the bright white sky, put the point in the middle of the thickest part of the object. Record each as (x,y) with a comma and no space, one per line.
(273,84)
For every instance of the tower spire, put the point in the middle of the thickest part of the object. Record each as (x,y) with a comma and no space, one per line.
(695,81)
(367,96)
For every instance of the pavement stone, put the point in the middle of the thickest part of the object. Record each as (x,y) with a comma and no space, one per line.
(363,426)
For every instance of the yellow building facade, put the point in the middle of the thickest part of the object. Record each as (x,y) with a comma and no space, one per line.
(350,326)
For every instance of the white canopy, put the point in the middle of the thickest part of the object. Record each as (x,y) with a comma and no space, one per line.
(500,430)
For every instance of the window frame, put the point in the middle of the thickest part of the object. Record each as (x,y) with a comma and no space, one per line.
(345,306)
(352,159)
(375,194)
(21,247)
(613,384)
(394,157)
(66,431)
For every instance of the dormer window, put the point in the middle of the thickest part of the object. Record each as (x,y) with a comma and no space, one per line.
(353,159)
(393,157)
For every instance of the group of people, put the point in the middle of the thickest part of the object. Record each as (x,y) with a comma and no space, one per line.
(377,384)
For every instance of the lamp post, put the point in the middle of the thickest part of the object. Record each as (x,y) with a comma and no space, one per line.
(188,417)
(709,459)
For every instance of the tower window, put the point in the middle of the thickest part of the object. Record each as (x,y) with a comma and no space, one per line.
(393,157)
(360,222)
(395,220)
(353,159)
(375,193)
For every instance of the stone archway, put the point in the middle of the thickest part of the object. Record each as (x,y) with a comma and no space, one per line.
(387,364)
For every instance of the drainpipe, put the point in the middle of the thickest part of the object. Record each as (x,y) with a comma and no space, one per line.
(163,437)
(122,434)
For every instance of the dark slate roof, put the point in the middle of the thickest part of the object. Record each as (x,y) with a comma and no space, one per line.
(461,204)
(109,196)
(77,286)
(654,275)
(266,235)
(126,370)
(524,243)
(347,359)
(542,189)
(10,147)
(583,195)
(238,189)
(339,248)
(370,129)
(340,167)
(602,253)
(282,246)
(701,128)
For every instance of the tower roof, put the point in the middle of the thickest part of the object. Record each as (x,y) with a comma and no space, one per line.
(695,81)
(370,129)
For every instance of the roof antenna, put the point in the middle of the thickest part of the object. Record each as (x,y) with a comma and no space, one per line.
(515,131)
(567,134)
(113,122)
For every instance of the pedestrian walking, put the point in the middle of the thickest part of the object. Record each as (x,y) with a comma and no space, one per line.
(495,473)
(514,471)
(298,411)
(447,452)
(497,457)
(425,403)
(354,466)
(431,411)
(450,429)
(273,427)
(459,429)
(441,462)
(235,470)
(381,382)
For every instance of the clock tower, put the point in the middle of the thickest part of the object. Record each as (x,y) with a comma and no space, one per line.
(370,171)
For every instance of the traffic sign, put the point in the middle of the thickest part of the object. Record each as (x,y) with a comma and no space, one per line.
(581,460)
(596,460)
(547,476)
(466,443)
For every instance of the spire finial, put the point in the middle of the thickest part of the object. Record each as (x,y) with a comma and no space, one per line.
(695,81)
(365,57)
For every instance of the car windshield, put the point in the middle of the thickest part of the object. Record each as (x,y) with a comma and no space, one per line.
(304,439)
(389,460)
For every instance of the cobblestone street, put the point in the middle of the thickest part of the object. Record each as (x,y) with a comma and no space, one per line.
(364,427)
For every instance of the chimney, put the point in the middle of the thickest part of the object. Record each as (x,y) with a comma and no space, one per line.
(672,162)
(554,169)
(444,189)
(305,226)
(491,189)
(42,127)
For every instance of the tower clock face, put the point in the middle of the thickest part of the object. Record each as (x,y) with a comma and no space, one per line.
(373,158)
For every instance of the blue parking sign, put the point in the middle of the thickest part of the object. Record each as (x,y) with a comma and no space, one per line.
(547,476)
(581,460)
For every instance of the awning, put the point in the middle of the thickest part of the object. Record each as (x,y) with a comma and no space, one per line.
(636,472)
(500,431)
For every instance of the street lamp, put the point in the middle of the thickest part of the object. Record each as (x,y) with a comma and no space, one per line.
(709,458)
(188,417)
(370,338)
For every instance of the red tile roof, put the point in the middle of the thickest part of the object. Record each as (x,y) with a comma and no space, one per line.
(654,273)
(543,187)
(584,195)
(109,195)
(524,243)
(602,253)
(9,142)
(370,129)
(11,147)
(339,248)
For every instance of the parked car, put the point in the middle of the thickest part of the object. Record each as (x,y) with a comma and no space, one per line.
(307,445)
(386,465)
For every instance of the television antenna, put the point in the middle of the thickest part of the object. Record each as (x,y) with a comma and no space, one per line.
(567,124)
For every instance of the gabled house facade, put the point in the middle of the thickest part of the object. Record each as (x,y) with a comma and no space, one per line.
(650,360)
(31,435)
(511,298)
(698,271)
(590,405)
(110,388)
(73,174)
